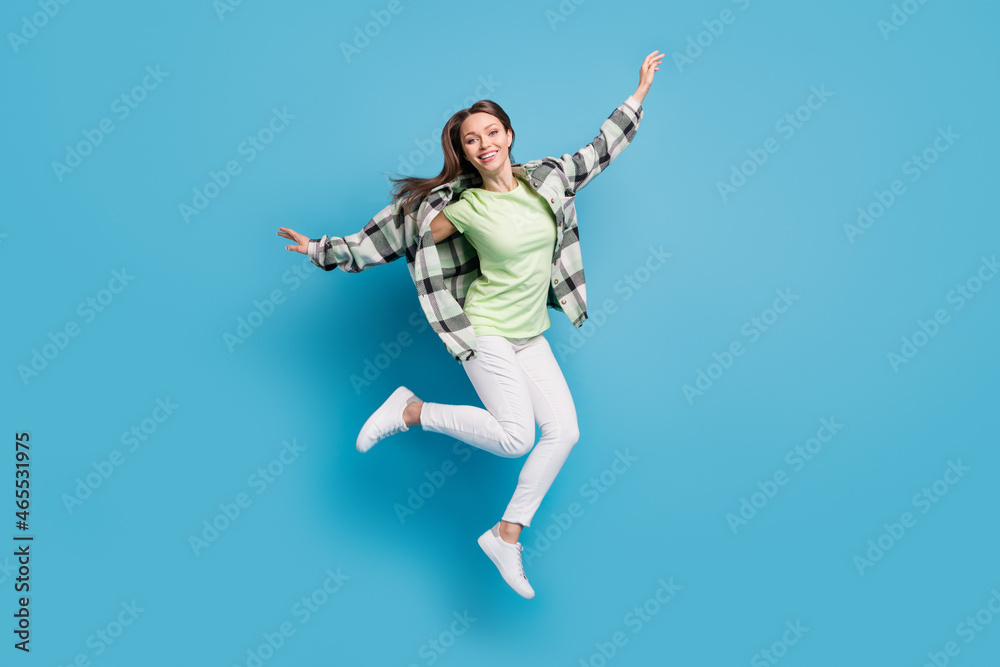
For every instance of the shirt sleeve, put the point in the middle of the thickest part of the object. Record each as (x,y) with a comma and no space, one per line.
(457,213)
(634,103)
(381,241)
(615,135)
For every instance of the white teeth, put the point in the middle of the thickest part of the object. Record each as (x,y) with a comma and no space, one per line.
(487,156)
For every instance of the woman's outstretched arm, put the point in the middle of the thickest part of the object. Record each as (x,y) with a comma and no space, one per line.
(381,241)
(615,134)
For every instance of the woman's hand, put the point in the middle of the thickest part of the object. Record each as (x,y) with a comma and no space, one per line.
(302,241)
(649,65)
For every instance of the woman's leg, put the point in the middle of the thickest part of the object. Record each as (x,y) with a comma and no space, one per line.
(506,426)
(519,382)
(555,413)
(504,372)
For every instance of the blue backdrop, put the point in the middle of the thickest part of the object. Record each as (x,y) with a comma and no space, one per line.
(788,448)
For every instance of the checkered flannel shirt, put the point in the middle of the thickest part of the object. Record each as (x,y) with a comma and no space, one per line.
(444,271)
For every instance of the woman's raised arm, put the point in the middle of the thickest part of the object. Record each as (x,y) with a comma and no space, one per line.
(615,134)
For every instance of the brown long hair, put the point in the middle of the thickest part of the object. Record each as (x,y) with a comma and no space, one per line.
(412,189)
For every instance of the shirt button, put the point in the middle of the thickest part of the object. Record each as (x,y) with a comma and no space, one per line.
(553,200)
(564,300)
(555,281)
(536,183)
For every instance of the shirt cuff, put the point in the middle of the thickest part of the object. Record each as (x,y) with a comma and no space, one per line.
(634,103)
(312,251)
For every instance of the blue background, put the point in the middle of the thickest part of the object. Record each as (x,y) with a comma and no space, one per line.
(697,456)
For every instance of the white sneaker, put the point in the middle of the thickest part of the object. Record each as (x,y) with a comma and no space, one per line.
(507,558)
(385,421)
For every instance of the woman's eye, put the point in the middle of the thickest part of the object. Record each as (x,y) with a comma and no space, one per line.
(493,132)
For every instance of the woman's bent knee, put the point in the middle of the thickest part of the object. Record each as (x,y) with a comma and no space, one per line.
(566,435)
(570,435)
(518,441)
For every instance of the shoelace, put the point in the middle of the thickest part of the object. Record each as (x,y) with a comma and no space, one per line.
(392,431)
(520,566)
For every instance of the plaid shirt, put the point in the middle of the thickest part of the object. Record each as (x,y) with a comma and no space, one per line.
(444,271)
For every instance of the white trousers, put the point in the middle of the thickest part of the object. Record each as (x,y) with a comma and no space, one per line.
(520,383)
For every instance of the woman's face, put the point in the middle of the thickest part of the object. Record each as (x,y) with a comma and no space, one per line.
(483,136)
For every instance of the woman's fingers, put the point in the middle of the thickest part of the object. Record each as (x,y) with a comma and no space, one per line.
(650,65)
(652,62)
(301,240)
(292,234)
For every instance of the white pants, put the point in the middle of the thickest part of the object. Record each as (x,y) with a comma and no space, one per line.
(520,383)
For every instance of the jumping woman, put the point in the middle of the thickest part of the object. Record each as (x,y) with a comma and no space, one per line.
(491,245)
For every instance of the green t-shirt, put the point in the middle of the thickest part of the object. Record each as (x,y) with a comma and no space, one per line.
(514,234)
